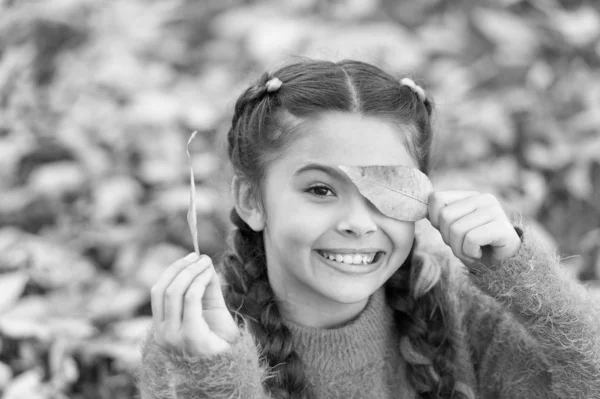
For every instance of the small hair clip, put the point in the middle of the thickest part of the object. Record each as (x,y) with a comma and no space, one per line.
(273,85)
(414,87)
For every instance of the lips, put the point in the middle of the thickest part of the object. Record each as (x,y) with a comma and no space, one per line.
(351,250)
(352,258)
(353,268)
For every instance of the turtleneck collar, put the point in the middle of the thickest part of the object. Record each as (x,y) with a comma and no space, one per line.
(363,340)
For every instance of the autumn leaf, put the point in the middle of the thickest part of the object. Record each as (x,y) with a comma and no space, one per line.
(191,215)
(398,191)
(12,286)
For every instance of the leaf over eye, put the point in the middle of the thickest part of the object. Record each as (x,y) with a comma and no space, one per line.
(398,191)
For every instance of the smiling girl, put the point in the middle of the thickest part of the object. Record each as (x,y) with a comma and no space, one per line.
(325,296)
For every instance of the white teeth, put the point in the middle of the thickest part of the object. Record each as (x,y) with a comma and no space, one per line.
(353,259)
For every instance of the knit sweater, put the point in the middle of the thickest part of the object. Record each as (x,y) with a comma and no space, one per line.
(523,328)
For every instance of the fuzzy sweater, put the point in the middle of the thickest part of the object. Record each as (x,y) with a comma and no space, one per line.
(523,329)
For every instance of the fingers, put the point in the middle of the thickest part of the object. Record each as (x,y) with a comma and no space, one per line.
(189,311)
(193,321)
(477,238)
(449,214)
(499,234)
(176,291)
(158,289)
(469,221)
(213,296)
(439,200)
(464,235)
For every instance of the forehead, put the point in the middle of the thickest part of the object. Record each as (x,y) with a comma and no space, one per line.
(350,139)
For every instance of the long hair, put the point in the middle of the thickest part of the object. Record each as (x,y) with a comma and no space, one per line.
(263,124)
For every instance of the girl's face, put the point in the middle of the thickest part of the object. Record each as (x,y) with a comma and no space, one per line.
(319,230)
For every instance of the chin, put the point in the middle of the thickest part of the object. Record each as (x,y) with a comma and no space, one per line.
(350,293)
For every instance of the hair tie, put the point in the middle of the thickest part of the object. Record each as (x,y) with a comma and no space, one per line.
(414,87)
(273,85)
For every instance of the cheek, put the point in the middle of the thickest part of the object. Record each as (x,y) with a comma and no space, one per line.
(400,233)
(296,231)
(294,223)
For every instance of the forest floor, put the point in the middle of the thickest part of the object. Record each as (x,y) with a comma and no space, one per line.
(98,99)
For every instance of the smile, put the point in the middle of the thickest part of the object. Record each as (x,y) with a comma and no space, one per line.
(348,265)
(352,259)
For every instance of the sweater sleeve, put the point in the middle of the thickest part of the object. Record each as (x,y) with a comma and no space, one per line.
(174,375)
(544,339)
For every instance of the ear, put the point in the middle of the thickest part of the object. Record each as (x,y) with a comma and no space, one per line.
(246,205)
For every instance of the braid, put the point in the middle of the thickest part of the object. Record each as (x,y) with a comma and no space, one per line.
(414,294)
(248,291)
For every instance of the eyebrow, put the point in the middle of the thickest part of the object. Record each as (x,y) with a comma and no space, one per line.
(333,172)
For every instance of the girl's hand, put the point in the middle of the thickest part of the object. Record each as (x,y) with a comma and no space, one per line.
(469,221)
(188,309)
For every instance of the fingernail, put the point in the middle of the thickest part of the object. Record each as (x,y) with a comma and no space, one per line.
(191,256)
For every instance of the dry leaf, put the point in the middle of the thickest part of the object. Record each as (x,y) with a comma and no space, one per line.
(116,196)
(70,327)
(28,384)
(43,179)
(516,40)
(114,299)
(6,375)
(400,192)
(580,26)
(63,368)
(12,255)
(191,215)
(49,263)
(132,330)
(45,329)
(29,307)
(12,286)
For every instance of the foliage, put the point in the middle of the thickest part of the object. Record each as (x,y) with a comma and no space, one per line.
(98,99)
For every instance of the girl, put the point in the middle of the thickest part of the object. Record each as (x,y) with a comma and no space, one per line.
(324,296)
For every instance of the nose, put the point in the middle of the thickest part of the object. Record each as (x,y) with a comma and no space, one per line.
(357,219)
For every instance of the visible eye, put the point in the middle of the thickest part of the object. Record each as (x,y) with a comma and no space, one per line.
(320,191)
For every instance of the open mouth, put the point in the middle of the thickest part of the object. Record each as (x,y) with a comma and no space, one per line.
(352,259)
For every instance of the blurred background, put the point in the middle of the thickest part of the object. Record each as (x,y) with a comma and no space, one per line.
(98,99)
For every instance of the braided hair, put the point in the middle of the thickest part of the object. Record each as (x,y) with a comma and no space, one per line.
(266,120)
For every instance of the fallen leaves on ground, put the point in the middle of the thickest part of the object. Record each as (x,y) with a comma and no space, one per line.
(97,110)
